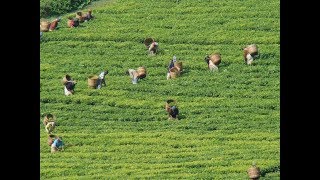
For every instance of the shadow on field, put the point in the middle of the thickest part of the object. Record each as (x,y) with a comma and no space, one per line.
(271,169)
(185,72)
(224,64)
(65,27)
(160,51)
(266,56)
(81,26)
(181,117)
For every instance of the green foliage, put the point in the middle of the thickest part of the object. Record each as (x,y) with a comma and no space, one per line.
(58,7)
(229,118)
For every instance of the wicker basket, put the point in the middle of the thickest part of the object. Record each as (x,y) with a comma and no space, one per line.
(252,49)
(174,72)
(254,172)
(44,26)
(92,81)
(48,119)
(171,102)
(65,79)
(215,58)
(80,16)
(148,41)
(141,71)
(178,65)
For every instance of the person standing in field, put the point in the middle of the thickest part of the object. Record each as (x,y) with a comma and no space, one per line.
(173,111)
(49,123)
(73,22)
(88,16)
(101,79)
(153,48)
(133,74)
(213,61)
(171,65)
(136,74)
(57,145)
(69,85)
(250,52)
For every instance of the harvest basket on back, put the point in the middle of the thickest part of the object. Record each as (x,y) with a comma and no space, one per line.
(65,79)
(215,58)
(178,65)
(44,26)
(80,16)
(254,172)
(171,102)
(174,72)
(252,49)
(49,118)
(142,72)
(148,41)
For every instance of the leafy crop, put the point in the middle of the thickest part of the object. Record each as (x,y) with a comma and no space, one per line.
(229,118)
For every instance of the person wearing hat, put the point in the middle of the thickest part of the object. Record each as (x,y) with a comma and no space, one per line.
(171,65)
(101,79)
(57,145)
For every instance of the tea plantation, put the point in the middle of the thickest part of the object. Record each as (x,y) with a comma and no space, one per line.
(228,119)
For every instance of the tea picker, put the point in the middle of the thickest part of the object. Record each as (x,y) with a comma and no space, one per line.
(69,85)
(174,68)
(213,61)
(54,24)
(250,52)
(57,145)
(135,75)
(151,45)
(172,109)
(101,79)
(49,121)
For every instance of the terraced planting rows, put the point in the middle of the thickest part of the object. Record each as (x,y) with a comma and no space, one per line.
(229,119)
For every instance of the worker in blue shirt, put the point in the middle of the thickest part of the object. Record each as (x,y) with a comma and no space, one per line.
(57,145)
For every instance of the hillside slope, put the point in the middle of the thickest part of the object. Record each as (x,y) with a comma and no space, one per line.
(229,119)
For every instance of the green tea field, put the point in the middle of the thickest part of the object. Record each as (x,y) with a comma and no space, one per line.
(228,119)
